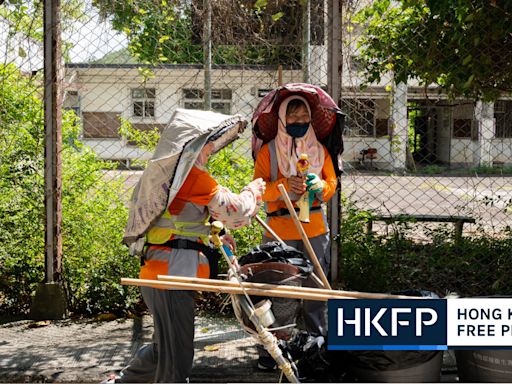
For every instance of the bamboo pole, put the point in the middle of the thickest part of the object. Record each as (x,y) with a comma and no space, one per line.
(283,288)
(304,237)
(268,229)
(231,290)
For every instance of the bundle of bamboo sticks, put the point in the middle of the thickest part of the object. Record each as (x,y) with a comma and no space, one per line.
(256,289)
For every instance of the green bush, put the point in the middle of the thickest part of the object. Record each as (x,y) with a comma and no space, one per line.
(93,210)
(472,266)
(21,190)
(94,216)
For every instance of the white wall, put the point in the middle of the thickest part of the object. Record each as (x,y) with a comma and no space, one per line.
(318,66)
(353,145)
(464,151)
(501,150)
(113,149)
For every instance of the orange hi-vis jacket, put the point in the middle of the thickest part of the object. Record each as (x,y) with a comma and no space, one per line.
(186,218)
(283,225)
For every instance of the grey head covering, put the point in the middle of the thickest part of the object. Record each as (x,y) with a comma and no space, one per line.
(177,150)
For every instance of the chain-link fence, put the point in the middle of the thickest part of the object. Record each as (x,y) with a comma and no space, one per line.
(427,139)
(427,136)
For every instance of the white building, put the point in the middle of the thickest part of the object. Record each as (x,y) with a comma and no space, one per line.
(101,94)
(393,121)
(416,125)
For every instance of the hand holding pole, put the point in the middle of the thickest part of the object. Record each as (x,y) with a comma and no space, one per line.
(215,229)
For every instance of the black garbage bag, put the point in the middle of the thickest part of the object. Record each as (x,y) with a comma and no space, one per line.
(388,360)
(275,252)
(314,363)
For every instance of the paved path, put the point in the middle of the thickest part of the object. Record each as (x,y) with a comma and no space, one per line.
(85,350)
(487,199)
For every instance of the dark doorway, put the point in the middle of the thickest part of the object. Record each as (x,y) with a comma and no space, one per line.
(424,138)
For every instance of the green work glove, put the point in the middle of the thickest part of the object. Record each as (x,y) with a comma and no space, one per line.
(311,199)
(314,183)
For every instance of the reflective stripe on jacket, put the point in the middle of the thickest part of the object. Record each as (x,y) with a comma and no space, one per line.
(186,218)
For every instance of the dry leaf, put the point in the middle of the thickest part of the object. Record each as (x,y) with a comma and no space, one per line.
(211,348)
(106,317)
(39,324)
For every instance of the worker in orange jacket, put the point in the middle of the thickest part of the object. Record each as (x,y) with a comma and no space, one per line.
(177,243)
(276,163)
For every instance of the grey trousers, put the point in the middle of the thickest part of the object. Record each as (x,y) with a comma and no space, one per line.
(313,312)
(168,359)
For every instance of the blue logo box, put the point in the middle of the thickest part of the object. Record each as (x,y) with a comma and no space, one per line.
(387,324)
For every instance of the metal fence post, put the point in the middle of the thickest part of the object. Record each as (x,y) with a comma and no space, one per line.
(306,42)
(49,301)
(207,48)
(334,88)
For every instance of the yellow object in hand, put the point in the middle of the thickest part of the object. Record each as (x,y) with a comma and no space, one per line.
(303,202)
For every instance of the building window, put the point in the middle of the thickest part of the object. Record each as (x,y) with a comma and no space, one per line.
(221,100)
(72,102)
(462,128)
(503,116)
(143,101)
(360,120)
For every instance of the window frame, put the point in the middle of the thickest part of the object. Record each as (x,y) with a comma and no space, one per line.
(220,96)
(146,100)
(456,130)
(365,112)
(503,119)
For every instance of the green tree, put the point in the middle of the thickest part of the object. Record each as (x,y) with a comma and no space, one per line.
(27,16)
(158,31)
(464,46)
(24,19)
(170,31)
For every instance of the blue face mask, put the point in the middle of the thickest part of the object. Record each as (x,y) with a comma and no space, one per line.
(296,129)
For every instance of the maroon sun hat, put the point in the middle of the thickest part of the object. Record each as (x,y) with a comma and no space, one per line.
(323,110)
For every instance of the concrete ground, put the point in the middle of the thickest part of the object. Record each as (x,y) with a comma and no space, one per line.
(86,351)
(487,199)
